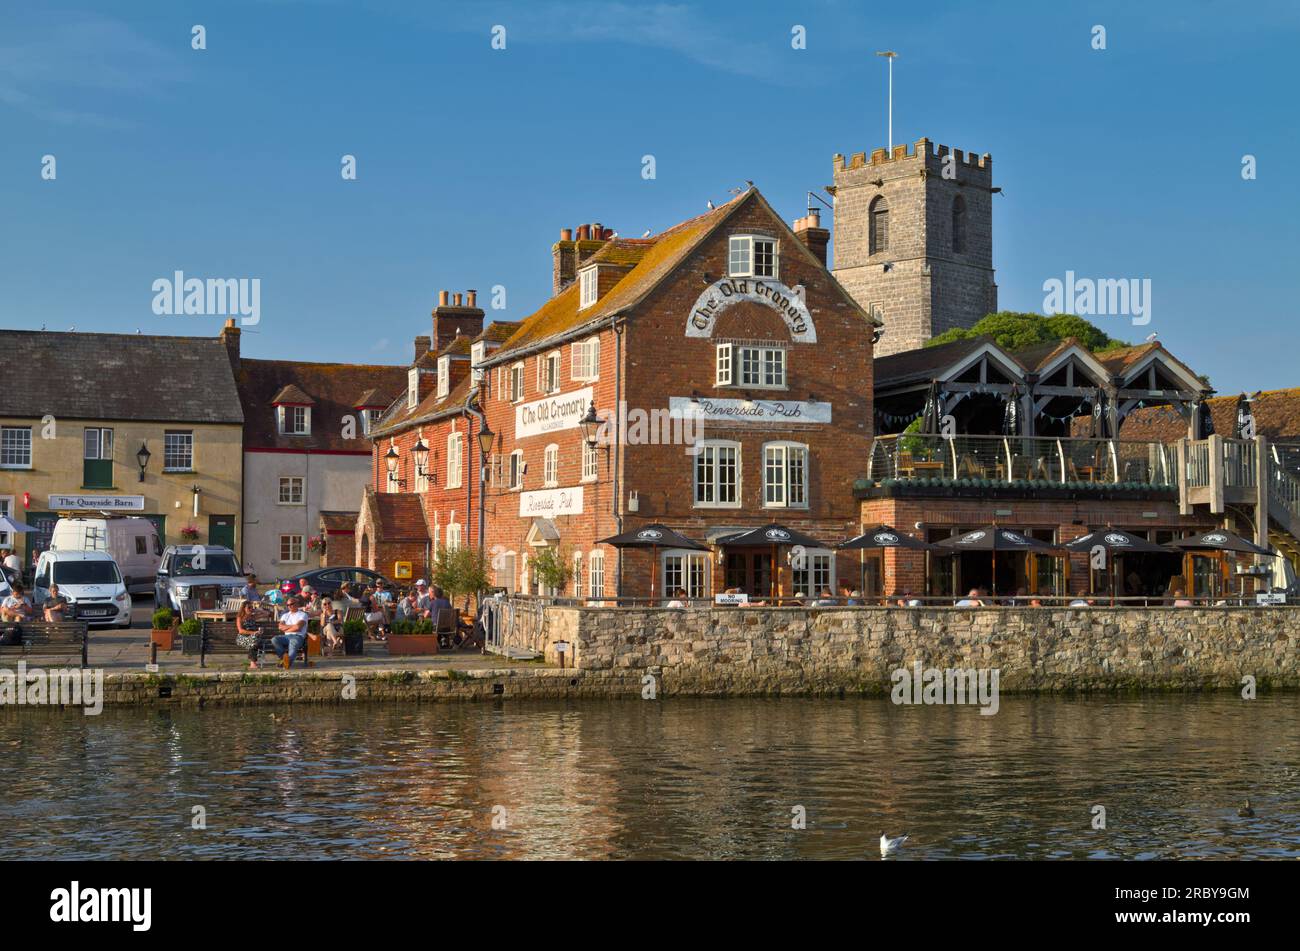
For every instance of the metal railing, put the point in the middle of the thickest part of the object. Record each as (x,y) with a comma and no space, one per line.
(1022,458)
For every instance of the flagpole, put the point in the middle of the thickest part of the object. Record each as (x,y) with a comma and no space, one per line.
(890,56)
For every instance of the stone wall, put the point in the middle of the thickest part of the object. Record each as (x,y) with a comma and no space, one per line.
(798,650)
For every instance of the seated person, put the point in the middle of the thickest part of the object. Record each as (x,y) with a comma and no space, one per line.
(55,606)
(678,603)
(16,605)
(1180,601)
(293,633)
(331,627)
(248,631)
(972,600)
(249,591)
(849,597)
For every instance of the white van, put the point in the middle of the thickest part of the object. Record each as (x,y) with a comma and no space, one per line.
(90,581)
(131,541)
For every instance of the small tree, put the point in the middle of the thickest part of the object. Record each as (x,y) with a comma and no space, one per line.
(461,571)
(554,568)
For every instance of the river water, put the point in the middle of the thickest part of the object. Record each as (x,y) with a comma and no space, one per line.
(709,779)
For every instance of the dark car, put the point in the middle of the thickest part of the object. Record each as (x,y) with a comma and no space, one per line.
(326,580)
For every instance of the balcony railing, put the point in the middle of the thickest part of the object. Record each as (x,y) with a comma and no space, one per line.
(1023,459)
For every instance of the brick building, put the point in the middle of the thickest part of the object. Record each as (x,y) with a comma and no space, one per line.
(914,239)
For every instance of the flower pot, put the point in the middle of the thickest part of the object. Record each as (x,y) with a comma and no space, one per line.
(404,645)
(354,645)
(191,643)
(164,638)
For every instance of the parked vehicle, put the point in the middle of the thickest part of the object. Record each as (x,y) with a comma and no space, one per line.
(131,540)
(330,579)
(90,580)
(185,567)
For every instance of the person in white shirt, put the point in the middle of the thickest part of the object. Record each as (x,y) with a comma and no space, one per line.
(972,600)
(678,603)
(13,562)
(293,633)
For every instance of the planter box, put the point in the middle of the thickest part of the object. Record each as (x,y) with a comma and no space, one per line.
(191,643)
(354,645)
(403,645)
(164,639)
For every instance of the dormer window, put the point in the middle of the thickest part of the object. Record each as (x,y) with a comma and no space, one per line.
(294,420)
(589,287)
(751,256)
(444,376)
(412,388)
(368,419)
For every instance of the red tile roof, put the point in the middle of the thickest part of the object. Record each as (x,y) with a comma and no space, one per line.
(396,515)
(1277,416)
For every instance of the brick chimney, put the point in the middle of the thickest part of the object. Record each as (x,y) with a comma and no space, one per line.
(809,230)
(229,337)
(421,347)
(456,317)
(564,256)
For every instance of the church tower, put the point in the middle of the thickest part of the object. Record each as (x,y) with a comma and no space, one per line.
(914,239)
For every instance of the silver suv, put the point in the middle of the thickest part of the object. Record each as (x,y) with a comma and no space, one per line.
(185,567)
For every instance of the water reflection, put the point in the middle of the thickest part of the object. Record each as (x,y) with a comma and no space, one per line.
(675,779)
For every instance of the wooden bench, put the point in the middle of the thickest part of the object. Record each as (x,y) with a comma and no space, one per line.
(219,637)
(69,639)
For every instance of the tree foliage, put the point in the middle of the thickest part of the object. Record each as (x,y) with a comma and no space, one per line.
(1015,331)
(460,571)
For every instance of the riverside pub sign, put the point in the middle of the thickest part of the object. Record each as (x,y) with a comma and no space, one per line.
(721,294)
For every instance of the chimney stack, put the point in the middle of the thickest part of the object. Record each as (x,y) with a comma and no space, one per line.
(564,260)
(229,337)
(455,318)
(809,230)
(421,348)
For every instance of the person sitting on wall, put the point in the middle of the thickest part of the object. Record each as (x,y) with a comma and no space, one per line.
(972,600)
(293,633)
(55,607)
(827,600)
(678,603)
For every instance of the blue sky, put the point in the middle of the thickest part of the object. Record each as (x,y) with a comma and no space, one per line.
(1122,163)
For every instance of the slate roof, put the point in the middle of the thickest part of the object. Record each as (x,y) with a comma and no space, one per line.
(924,363)
(73,375)
(332,388)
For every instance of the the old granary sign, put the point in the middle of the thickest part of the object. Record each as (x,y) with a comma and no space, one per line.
(720,295)
(551,414)
(749,411)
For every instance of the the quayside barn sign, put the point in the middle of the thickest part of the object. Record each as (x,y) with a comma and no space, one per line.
(720,295)
(552,414)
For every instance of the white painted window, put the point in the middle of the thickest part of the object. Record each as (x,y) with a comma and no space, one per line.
(577,574)
(814,573)
(476,353)
(589,469)
(516,469)
(453,536)
(444,376)
(6,508)
(551,465)
(785,475)
(412,387)
(717,475)
(723,376)
(455,460)
(589,280)
(291,548)
(548,369)
(596,575)
(685,569)
(16,447)
(368,419)
(291,490)
(178,450)
(503,571)
(584,360)
(751,256)
(294,420)
(517,382)
(98,443)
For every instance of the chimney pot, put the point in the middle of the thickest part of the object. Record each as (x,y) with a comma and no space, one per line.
(442,298)
(471,298)
(456,299)
(582,232)
(597,230)
(566,234)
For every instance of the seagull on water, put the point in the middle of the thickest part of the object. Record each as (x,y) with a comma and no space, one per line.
(888,846)
(1245,811)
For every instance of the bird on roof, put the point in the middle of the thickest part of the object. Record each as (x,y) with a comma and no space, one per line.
(647,233)
(710,204)
(1151,337)
(138,331)
(735,191)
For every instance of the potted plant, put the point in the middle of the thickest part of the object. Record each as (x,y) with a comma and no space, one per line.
(190,533)
(316,543)
(554,567)
(191,632)
(164,629)
(412,637)
(354,637)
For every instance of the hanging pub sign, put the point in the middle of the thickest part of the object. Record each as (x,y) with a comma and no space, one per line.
(721,294)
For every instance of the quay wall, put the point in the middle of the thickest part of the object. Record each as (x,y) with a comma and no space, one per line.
(718,651)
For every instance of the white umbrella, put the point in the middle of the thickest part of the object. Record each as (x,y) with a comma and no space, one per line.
(8,524)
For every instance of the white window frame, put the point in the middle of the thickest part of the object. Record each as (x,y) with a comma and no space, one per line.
(548,372)
(578,580)
(515,471)
(188,436)
(588,286)
(444,376)
(584,360)
(453,536)
(723,364)
(803,581)
(287,482)
(551,466)
(476,353)
(708,453)
(287,414)
(301,546)
(590,463)
(413,388)
(6,508)
(455,460)
(683,564)
(100,453)
(785,455)
(11,446)
(734,363)
(596,574)
(744,257)
(517,382)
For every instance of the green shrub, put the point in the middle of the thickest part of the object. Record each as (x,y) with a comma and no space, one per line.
(162,619)
(355,627)
(190,628)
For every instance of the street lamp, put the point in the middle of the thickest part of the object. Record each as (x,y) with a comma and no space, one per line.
(390,458)
(485,439)
(142,457)
(420,453)
(590,425)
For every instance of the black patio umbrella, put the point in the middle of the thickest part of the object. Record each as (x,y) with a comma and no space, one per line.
(1218,540)
(992,539)
(654,537)
(1116,542)
(882,536)
(930,415)
(1243,416)
(1099,427)
(1011,413)
(1204,421)
(778,536)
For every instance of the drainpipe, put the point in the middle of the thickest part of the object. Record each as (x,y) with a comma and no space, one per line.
(471,445)
(617,500)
